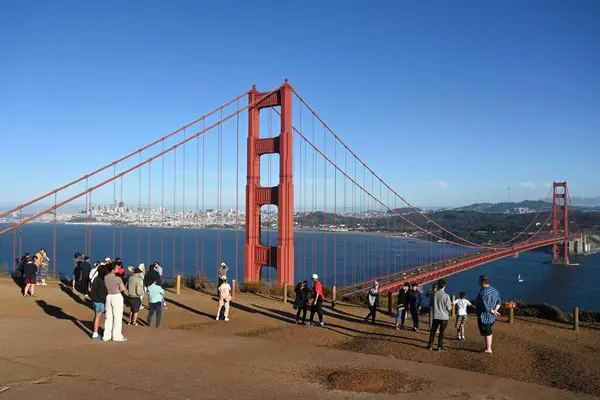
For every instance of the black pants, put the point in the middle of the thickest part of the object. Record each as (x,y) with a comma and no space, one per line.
(372,313)
(84,283)
(415,317)
(318,308)
(438,323)
(302,310)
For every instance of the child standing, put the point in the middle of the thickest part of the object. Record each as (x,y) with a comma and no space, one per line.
(155,298)
(461,315)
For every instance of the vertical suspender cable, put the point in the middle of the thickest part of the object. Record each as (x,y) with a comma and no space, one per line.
(162,208)
(139,214)
(183,215)
(121,211)
(114,229)
(173,227)
(203,209)
(148,257)
(237,187)
(197,202)
(335,215)
(54,242)
(324,207)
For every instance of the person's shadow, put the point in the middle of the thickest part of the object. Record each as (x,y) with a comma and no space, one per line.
(58,313)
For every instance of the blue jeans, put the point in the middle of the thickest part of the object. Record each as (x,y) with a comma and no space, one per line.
(400,316)
(155,308)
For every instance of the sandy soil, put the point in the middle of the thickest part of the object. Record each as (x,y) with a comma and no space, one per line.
(262,332)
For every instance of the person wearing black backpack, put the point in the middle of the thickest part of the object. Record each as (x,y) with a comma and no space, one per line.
(301,302)
(98,296)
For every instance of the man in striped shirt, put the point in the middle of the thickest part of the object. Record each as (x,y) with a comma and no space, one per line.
(487,306)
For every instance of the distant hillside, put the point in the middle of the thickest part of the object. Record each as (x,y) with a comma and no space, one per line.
(504,207)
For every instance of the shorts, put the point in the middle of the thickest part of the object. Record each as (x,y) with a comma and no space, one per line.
(485,329)
(98,307)
(30,281)
(135,303)
(460,321)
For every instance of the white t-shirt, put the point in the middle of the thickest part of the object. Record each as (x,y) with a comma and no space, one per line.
(461,306)
(93,274)
(224,290)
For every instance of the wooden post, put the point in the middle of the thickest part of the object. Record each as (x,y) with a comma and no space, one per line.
(390,299)
(453,310)
(333,298)
(576,318)
(178,286)
(233,289)
(511,314)
(285,286)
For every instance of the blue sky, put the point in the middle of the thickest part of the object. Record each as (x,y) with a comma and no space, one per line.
(450,102)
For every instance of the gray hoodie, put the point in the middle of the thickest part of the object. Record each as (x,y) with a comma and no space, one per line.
(440,304)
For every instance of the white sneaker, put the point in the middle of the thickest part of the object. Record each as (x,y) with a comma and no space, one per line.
(226,319)
(458,337)
(216,318)
(464,338)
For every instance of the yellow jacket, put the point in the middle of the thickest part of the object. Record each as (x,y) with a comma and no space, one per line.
(38,259)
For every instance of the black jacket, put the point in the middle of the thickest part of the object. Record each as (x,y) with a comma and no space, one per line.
(402,298)
(30,270)
(85,270)
(301,298)
(152,277)
(99,291)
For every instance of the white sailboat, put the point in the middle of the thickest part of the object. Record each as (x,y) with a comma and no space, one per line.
(519,278)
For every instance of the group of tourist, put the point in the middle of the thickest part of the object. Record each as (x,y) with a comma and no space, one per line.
(109,294)
(33,270)
(302,301)
(487,308)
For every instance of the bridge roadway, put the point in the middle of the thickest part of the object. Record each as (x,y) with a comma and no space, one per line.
(431,272)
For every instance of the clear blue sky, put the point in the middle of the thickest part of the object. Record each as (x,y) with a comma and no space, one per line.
(451,102)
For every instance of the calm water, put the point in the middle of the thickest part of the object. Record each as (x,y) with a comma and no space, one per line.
(560,285)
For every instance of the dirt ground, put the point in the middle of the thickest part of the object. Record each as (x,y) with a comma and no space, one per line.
(373,359)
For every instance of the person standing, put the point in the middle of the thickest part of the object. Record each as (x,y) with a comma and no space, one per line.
(76,270)
(84,282)
(119,270)
(301,301)
(439,308)
(428,295)
(30,276)
(113,325)
(156,299)
(461,315)
(224,298)
(42,261)
(98,296)
(317,304)
(402,307)
(135,291)
(372,302)
(414,305)
(486,307)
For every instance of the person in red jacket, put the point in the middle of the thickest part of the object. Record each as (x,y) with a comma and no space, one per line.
(119,270)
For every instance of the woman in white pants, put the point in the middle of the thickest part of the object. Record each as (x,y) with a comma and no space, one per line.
(113,324)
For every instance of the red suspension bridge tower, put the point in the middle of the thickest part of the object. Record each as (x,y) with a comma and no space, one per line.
(257,255)
(560,221)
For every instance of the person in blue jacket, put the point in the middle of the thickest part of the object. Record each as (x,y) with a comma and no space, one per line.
(414,304)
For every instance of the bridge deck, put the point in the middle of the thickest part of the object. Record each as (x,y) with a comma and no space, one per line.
(441,269)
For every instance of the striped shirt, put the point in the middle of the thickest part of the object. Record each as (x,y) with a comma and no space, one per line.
(487,300)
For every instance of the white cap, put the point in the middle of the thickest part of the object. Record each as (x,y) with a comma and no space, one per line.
(315,276)
(223,264)
(107,259)
(223,278)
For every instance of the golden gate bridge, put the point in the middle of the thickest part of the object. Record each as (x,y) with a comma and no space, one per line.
(319,177)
